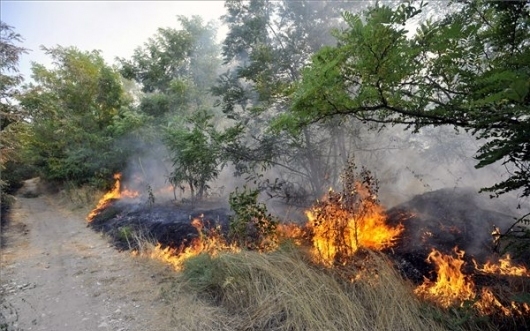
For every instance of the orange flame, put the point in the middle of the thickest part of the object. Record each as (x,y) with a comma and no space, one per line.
(113,194)
(489,303)
(505,267)
(338,232)
(451,286)
(210,243)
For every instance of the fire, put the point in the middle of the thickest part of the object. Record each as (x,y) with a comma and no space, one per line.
(340,227)
(505,267)
(451,285)
(209,241)
(113,194)
(489,303)
(291,231)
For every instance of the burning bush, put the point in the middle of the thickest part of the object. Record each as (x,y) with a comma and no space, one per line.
(338,227)
(345,221)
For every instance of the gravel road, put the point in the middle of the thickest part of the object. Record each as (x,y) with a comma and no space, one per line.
(57,274)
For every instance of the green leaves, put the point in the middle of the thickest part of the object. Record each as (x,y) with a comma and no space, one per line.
(75,110)
(458,71)
(195,148)
(251,226)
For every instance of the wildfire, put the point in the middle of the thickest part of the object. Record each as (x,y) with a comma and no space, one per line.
(209,241)
(113,194)
(451,285)
(505,267)
(340,228)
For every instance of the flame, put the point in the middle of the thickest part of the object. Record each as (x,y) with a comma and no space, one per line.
(339,230)
(290,231)
(113,194)
(505,267)
(209,241)
(451,286)
(489,303)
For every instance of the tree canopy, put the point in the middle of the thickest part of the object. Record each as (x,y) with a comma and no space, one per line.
(73,110)
(291,88)
(469,70)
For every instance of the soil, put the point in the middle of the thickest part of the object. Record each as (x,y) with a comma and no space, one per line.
(57,274)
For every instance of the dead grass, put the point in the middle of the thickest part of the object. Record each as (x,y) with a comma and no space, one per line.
(282,291)
(81,199)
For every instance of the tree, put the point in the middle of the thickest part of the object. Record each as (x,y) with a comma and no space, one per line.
(10,79)
(267,45)
(195,148)
(468,70)
(11,116)
(75,110)
(175,68)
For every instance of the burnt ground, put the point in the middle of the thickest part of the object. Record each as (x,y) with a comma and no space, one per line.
(441,220)
(447,218)
(168,224)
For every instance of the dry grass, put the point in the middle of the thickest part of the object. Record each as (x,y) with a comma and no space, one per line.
(81,199)
(282,291)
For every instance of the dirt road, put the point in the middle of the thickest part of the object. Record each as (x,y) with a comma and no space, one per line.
(57,274)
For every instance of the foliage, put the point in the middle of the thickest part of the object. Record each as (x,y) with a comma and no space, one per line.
(9,80)
(267,45)
(175,68)
(251,226)
(11,116)
(195,148)
(76,110)
(468,70)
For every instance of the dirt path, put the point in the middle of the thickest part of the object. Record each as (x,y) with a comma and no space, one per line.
(57,274)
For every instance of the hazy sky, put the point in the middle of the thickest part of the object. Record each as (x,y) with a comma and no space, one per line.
(114,27)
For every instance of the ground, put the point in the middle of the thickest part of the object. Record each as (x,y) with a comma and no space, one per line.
(57,274)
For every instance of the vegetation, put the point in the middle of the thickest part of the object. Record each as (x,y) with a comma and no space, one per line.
(304,86)
(73,110)
(283,291)
(468,69)
(11,116)
(196,153)
(251,226)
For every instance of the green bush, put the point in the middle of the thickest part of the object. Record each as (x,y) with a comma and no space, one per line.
(251,226)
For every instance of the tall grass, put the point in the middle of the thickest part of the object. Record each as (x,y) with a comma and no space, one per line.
(283,291)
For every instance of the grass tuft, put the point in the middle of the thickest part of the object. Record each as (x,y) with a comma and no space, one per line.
(283,291)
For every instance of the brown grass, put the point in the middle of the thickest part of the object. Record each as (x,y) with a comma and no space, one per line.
(282,291)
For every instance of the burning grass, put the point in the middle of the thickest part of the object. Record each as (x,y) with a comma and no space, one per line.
(210,241)
(330,278)
(453,288)
(115,193)
(283,290)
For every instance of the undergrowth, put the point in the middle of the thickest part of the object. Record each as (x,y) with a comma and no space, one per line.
(282,290)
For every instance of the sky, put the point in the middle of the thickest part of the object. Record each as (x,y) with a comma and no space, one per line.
(115,28)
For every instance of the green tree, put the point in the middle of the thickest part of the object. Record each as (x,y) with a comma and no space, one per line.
(468,69)
(12,125)
(267,45)
(75,110)
(175,68)
(195,148)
